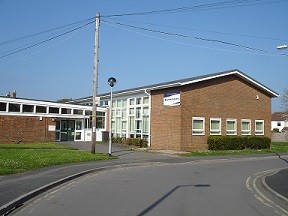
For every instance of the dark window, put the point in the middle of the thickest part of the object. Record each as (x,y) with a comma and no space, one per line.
(88,113)
(14,107)
(28,108)
(41,109)
(53,110)
(66,111)
(3,106)
(78,112)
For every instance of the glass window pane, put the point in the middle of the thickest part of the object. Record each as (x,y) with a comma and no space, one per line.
(54,110)
(145,111)
(124,113)
(230,125)
(28,108)
(138,112)
(245,126)
(138,101)
(131,111)
(131,101)
(124,103)
(14,107)
(41,109)
(131,124)
(215,125)
(259,126)
(146,100)
(197,124)
(2,106)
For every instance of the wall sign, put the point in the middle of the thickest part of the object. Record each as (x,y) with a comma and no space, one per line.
(172,99)
(51,128)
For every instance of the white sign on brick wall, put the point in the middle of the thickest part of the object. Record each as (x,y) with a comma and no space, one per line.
(172,99)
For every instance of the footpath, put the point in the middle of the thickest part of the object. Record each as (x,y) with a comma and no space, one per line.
(16,189)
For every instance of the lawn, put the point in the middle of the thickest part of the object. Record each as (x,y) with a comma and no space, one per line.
(276,147)
(15,158)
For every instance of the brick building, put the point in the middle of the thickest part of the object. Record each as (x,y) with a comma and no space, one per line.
(182,114)
(26,120)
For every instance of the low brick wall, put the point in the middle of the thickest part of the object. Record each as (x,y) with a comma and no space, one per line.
(16,129)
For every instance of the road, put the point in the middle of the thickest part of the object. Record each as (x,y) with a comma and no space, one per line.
(214,187)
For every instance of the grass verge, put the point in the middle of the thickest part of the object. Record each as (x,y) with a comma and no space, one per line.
(278,147)
(15,158)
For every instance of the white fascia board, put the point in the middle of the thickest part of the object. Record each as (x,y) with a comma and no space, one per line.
(235,73)
(43,103)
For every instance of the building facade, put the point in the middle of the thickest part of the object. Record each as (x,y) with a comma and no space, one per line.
(26,120)
(182,114)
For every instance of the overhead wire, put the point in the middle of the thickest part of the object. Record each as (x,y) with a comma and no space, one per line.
(20,49)
(193,45)
(201,7)
(45,31)
(188,36)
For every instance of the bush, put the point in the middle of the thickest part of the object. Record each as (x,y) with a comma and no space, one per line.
(238,142)
(131,141)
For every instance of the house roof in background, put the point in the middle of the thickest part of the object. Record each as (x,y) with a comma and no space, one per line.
(279,116)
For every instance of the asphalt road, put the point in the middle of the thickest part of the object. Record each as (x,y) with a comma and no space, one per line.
(214,187)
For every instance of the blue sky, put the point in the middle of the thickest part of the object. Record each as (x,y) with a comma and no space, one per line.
(63,67)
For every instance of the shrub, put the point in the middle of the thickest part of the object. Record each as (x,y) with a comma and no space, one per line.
(130,141)
(238,142)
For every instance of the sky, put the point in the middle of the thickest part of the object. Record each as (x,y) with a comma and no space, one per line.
(47,47)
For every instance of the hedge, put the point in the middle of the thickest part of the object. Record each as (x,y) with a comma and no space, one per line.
(238,142)
(131,141)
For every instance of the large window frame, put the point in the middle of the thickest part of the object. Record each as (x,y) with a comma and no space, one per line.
(259,132)
(233,131)
(246,131)
(198,131)
(215,129)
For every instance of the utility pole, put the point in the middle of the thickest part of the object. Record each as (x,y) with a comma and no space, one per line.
(95,83)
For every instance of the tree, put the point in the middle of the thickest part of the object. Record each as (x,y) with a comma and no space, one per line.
(64,100)
(285,100)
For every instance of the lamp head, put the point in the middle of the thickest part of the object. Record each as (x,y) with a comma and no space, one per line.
(112,81)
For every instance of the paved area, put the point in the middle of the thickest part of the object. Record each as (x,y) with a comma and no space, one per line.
(18,188)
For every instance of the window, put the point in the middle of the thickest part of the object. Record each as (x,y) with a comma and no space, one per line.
(77,112)
(215,126)
(138,101)
(198,126)
(100,120)
(66,111)
(131,101)
(88,113)
(259,127)
(14,107)
(54,110)
(3,106)
(246,127)
(41,109)
(28,108)
(145,100)
(138,112)
(231,127)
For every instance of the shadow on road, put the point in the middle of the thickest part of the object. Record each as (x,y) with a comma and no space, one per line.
(145,211)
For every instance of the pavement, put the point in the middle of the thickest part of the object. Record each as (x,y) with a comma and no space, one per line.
(17,189)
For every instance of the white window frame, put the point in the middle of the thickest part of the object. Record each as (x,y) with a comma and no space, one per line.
(231,132)
(246,132)
(215,132)
(196,131)
(259,132)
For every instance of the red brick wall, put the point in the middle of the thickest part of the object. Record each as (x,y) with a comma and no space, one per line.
(227,97)
(14,129)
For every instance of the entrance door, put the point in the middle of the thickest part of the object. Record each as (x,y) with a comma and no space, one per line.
(67,130)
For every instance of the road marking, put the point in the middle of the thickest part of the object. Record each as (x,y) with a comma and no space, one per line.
(251,184)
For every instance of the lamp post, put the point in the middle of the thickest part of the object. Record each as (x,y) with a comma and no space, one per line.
(111,82)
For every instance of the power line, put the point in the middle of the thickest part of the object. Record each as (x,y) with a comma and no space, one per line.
(200,30)
(43,32)
(201,7)
(187,36)
(193,45)
(44,41)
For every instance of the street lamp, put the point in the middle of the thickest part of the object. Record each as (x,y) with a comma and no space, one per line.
(111,82)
